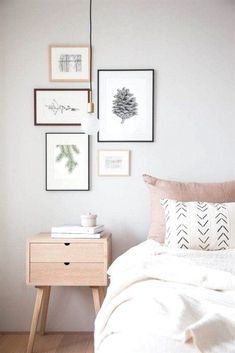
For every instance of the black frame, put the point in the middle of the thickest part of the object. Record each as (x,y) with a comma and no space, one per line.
(55,89)
(98,95)
(88,151)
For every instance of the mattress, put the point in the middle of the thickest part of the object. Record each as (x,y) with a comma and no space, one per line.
(164,300)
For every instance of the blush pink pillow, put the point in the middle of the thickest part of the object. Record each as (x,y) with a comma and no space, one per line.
(164,189)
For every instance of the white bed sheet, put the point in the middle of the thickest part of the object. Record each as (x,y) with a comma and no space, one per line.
(120,343)
(128,321)
(121,335)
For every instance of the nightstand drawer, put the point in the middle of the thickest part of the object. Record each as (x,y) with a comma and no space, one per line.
(84,274)
(66,252)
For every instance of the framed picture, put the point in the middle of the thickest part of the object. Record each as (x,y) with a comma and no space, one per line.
(69,63)
(67,161)
(113,162)
(126,105)
(60,106)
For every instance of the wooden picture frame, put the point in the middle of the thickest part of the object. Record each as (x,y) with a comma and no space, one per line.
(60,106)
(69,63)
(67,161)
(113,163)
(126,105)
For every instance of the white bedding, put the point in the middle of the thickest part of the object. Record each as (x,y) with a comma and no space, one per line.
(162,300)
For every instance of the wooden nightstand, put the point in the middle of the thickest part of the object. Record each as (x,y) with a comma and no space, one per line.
(65,262)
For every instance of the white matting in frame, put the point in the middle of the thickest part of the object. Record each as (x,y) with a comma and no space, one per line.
(60,106)
(126,105)
(67,161)
(69,63)
(113,162)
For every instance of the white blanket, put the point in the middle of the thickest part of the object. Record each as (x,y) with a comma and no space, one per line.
(185,295)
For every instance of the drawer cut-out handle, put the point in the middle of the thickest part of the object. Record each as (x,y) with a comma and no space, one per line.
(66,244)
(66,263)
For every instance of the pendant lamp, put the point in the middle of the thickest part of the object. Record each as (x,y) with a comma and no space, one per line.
(90,123)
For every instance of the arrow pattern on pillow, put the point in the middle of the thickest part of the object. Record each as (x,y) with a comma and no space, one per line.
(197,225)
(222,222)
(181,228)
(203,226)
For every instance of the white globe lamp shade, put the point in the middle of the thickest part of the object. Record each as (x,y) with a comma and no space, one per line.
(90,124)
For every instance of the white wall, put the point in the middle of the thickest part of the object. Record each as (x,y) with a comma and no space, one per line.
(190,44)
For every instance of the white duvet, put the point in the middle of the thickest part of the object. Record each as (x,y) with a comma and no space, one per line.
(165,301)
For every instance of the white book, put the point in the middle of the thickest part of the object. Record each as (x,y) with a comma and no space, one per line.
(77,235)
(77,229)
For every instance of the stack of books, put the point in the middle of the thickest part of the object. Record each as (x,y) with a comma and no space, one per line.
(77,231)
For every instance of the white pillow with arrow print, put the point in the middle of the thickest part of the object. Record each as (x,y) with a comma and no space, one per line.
(199,225)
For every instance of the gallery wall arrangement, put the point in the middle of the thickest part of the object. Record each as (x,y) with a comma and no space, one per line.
(125,112)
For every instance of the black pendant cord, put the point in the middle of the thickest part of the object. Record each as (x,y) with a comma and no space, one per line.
(90,44)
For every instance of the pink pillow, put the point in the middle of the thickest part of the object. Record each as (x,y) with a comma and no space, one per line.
(164,189)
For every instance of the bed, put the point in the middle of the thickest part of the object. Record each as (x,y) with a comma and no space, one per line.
(168,299)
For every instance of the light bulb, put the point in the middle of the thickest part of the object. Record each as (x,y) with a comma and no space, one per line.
(90,124)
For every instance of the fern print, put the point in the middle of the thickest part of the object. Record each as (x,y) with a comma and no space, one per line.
(67,153)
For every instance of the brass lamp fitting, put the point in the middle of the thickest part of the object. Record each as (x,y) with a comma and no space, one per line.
(90,106)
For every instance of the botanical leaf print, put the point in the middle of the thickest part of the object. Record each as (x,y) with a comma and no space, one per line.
(67,153)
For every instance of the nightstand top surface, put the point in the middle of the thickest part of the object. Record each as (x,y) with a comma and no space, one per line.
(46,238)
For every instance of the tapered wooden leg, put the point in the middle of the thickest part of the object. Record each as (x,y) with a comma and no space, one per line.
(44,310)
(98,297)
(101,293)
(36,313)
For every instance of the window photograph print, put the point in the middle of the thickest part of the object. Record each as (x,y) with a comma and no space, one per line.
(69,63)
(67,161)
(60,106)
(126,105)
(113,162)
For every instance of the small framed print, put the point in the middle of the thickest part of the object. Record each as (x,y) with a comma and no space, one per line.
(69,63)
(113,162)
(60,106)
(67,161)
(126,105)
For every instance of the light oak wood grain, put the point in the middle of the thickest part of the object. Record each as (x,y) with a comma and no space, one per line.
(44,310)
(13,343)
(34,323)
(46,238)
(98,297)
(72,274)
(62,252)
(81,342)
(65,262)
